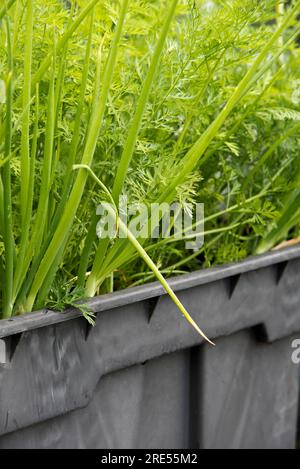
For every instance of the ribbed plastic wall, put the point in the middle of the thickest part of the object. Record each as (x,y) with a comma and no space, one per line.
(142,378)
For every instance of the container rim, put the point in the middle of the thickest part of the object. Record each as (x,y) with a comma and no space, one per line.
(46,317)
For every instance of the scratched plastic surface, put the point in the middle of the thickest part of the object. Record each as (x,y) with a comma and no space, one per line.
(143,378)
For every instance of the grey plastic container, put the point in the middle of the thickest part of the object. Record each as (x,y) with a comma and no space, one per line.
(143,378)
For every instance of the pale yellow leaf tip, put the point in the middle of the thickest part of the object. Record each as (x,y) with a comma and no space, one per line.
(195,325)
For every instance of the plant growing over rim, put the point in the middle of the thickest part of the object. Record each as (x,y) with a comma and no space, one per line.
(37,212)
